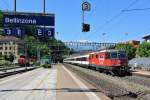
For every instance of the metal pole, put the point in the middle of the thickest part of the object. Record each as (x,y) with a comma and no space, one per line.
(26,58)
(44,7)
(82,14)
(14,6)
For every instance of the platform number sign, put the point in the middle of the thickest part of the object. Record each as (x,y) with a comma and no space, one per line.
(50,32)
(39,32)
(18,32)
(8,31)
(86,6)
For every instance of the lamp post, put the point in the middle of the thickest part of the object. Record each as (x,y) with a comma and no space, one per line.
(126,34)
(103,34)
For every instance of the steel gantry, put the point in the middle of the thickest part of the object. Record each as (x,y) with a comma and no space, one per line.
(94,46)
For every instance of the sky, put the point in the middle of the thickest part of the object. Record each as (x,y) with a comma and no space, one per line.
(106,16)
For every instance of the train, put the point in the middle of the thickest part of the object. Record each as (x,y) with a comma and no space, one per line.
(114,62)
(24,61)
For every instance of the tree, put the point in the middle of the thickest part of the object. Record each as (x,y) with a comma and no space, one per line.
(58,49)
(11,57)
(31,45)
(144,50)
(1,18)
(129,48)
(6,57)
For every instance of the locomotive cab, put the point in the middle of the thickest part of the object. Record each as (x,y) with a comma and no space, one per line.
(118,61)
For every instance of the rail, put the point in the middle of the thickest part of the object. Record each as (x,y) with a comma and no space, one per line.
(113,87)
(9,70)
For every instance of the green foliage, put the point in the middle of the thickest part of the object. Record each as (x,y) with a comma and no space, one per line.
(129,48)
(46,66)
(144,50)
(53,47)
(58,49)
(10,57)
(6,57)
(31,46)
(1,17)
(1,57)
(4,62)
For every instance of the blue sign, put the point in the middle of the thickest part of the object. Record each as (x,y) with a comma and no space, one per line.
(18,32)
(8,31)
(50,32)
(39,32)
(45,32)
(47,20)
(14,32)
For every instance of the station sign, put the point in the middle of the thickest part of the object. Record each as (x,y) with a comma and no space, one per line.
(15,24)
(47,20)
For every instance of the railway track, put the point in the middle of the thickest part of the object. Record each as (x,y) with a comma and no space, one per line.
(117,88)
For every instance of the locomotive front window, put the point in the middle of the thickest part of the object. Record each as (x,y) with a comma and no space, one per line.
(113,55)
(107,55)
(122,55)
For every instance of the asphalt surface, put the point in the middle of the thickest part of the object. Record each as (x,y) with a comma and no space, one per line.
(39,84)
(72,87)
(56,83)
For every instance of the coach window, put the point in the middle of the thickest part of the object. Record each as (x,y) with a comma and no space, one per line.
(84,59)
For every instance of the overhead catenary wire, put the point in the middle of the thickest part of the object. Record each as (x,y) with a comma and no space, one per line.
(119,14)
(129,10)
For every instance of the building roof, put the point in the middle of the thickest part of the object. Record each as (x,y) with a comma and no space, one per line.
(10,38)
(146,37)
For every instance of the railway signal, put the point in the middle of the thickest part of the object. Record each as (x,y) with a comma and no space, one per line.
(86,6)
(85,27)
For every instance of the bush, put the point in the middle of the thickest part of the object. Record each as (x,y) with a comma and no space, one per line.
(129,48)
(4,62)
(144,50)
(36,63)
(46,66)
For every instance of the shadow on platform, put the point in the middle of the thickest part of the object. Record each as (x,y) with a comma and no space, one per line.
(58,90)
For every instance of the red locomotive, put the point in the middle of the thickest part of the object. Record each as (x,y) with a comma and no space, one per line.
(22,61)
(114,62)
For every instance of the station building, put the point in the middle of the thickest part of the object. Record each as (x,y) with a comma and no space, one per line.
(147,38)
(10,45)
